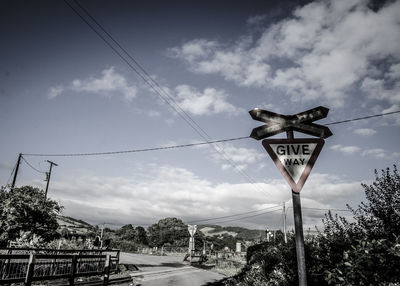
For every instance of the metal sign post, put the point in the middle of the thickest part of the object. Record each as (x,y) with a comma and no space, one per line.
(298,230)
(294,158)
(192,230)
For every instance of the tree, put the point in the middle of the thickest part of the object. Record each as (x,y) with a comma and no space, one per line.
(26,209)
(127,232)
(377,218)
(380,216)
(141,236)
(136,235)
(168,231)
(365,251)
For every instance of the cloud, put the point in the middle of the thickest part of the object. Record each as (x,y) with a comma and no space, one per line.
(156,192)
(365,131)
(377,153)
(109,84)
(210,101)
(6,165)
(55,91)
(380,153)
(345,149)
(256,20)
(241,157)
(324,50)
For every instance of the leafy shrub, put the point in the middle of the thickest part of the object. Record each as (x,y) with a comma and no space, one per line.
(363,252)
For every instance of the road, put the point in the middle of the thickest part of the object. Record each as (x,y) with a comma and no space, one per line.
(167,270)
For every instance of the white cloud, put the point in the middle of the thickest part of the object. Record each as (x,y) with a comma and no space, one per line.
(55,91)
(256,20)
(365,131)
(378,153)
(210,101)
(165,191)
(242,157)
(109,84)
(6,165)
(345,149)
(325,49)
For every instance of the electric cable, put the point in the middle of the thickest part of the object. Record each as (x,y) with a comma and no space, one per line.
(134,150)
(151,82)
(180,146)
(323,209)
(228,216)
(12,172)
(361,118)
(32,166)
(248,216)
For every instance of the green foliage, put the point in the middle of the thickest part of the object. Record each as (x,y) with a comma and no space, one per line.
(363,252)
(222,241)
(128,238)
(366,262)
(25,210)
(127,232)
(168,232)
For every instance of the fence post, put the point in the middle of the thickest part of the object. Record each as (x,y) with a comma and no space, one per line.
(117,262)
(106,270)
(74,262)
(29,270)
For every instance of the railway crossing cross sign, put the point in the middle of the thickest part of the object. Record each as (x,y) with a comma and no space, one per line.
(192,229)
(302,122)
(294,158)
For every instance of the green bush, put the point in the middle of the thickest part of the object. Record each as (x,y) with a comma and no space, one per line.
(363,252)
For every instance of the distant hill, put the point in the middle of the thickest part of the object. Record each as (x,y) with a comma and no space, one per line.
(239,233)
(74,226)
(81,228)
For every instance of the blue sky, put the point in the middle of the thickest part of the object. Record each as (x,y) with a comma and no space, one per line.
(63,90)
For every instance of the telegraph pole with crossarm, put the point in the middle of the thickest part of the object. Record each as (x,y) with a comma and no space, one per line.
(48,174)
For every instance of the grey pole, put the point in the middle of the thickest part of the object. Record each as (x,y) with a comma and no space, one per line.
(48,178)
(298,227)
(16,171)
(284,222)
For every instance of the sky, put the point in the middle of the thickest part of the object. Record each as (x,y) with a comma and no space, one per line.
(63,90)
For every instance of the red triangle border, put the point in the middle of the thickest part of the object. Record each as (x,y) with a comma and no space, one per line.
(295,187)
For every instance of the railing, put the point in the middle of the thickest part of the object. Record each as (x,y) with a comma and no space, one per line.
(26,268)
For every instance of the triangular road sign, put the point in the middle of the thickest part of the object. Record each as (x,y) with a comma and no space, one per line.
(294,158)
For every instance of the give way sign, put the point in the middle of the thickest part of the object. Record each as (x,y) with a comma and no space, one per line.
(294,158)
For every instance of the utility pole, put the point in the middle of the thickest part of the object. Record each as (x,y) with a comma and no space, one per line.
(48,175)
(284,222)
(16,170)
(101,235)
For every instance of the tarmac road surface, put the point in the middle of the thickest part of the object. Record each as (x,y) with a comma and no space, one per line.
(167,270)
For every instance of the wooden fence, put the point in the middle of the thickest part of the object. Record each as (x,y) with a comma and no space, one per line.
(35,266)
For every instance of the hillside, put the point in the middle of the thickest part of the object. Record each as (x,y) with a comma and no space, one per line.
(74,226)
(240,233)
(81,228)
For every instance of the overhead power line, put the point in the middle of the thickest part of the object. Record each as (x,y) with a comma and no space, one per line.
(11,175)
(361,118)
(157,88)
(324,209)
(179,146)
(135,150)
(321,209)
(229,216)
(251,216)
(32,166)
